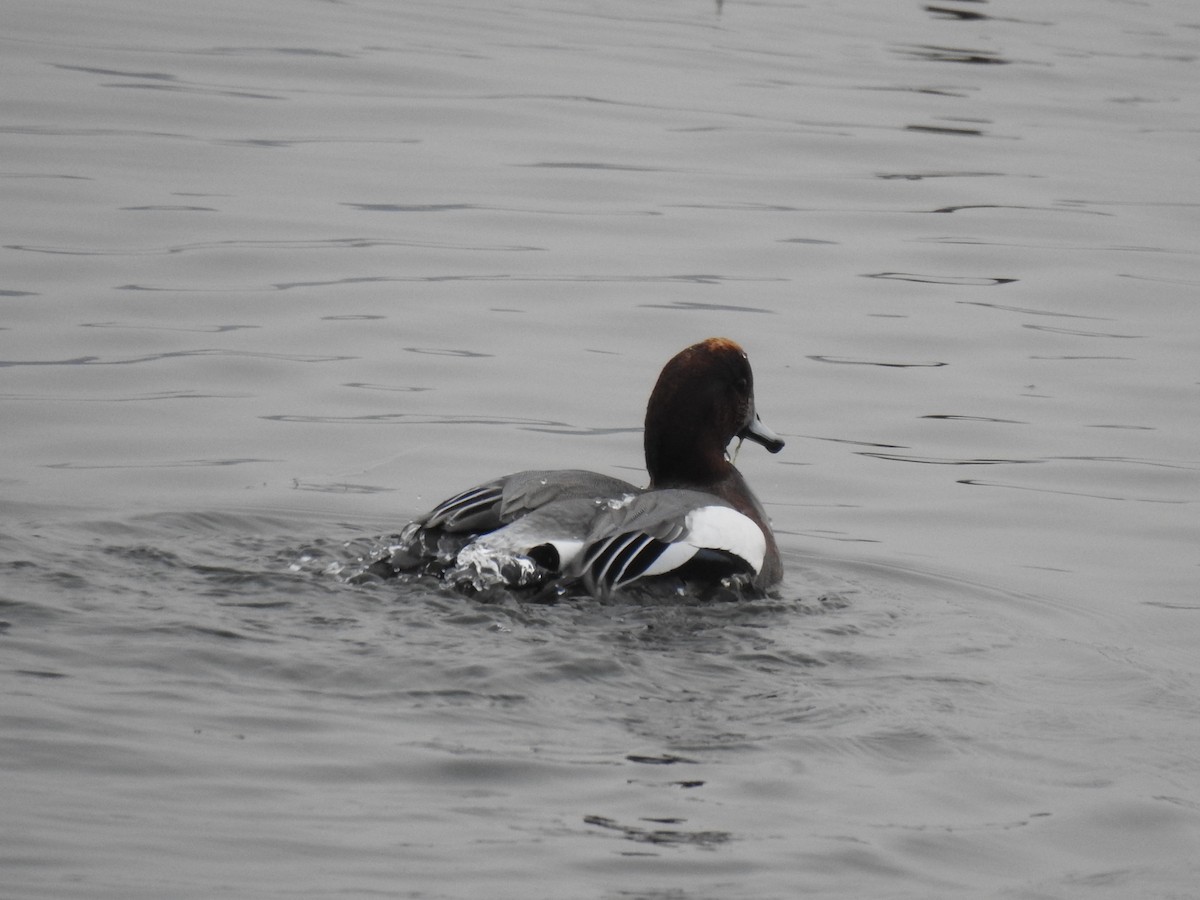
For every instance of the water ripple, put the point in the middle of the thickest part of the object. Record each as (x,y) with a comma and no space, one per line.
(208,329)
(957,418)
(418,419)
(952,12)
(947,461)
(712,307)
(1050,209)
(1078,333)
(921,176)
(974,280)
(356,243)
(975,482)
(847,361)
(443,351)
(163,81)
(952,130)
(673,836)
(933,53)
(174,354)
(135,398)
(400,389)
(1026,310)
(172,464)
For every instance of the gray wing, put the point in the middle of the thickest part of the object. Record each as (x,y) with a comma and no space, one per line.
(488,506)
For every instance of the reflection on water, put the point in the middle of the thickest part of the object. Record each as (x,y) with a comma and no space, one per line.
(975,280)
(954,55)
(956,12)
(236,233)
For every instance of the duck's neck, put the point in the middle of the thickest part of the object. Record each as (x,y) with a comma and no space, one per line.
(684,457)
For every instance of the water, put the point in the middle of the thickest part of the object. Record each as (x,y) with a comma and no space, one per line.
(278,276)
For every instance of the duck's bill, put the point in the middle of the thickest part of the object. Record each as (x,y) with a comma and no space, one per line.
(759,433)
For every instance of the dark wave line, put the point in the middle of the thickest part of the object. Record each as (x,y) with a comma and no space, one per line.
(965,280)
(947,461)
(974,482)
(846,361)
(177,464)
(356,243)
(418,419)
(97,361)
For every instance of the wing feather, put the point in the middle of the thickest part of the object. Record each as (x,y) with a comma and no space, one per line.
(475,509)
(662,532)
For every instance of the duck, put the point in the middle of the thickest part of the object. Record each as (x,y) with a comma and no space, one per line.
(697,522)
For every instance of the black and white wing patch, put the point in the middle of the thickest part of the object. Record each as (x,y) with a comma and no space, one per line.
(672,531)
(473,510)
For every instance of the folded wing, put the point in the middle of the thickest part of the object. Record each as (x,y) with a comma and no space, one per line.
(688,533)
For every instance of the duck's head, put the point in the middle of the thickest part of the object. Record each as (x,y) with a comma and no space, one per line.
(704,398)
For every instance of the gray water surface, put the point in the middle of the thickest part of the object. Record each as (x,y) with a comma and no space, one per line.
(276,277)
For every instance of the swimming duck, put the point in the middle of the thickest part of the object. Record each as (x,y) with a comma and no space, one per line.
(698,521)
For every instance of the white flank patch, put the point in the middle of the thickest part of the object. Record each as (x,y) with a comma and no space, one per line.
(714,528)
(567,549)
